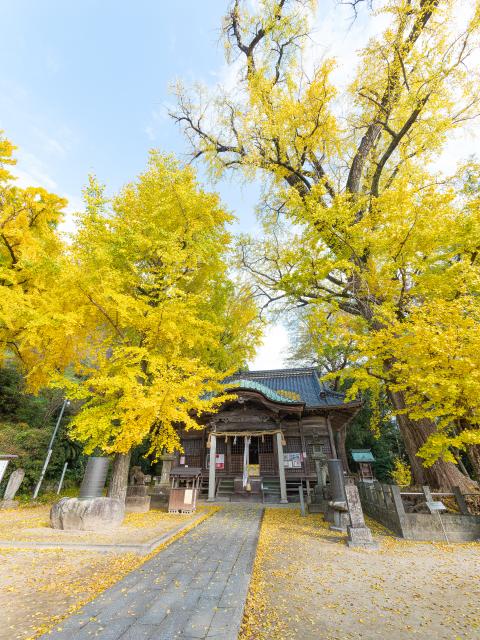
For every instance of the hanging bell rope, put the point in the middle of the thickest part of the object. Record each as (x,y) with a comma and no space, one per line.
(242,434)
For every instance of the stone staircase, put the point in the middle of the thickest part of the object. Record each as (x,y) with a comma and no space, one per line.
(225,489)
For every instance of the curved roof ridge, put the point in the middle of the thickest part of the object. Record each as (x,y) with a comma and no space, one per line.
(303,381)
(269,393)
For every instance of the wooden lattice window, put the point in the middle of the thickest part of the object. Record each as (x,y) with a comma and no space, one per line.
(237,446)
(192,448)
(266,456)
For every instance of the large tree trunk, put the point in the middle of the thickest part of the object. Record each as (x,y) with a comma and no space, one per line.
(473,453)
(341,450)
(119,479)
(441,475)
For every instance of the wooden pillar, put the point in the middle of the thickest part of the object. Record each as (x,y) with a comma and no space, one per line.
(330,435)
(211,473)
(281,469)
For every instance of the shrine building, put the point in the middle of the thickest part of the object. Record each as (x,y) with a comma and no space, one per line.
(259,446)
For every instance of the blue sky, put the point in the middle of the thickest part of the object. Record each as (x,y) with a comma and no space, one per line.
(84,86)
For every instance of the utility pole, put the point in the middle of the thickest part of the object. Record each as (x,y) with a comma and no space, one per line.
(50,449)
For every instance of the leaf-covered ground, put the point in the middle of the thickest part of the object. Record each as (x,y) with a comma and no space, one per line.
(307,584)
(32,525)
(40,587)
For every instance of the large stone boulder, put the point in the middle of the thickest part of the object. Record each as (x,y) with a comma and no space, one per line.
(90,514)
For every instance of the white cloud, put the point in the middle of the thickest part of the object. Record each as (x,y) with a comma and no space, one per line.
(274,350)
(50,144)
(150,132)
(32,172)
(158,117)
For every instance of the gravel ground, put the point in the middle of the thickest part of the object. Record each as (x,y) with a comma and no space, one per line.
(40,586)
(308,584)
(32,524)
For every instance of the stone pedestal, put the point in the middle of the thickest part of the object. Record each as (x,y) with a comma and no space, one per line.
(88,514)
(341,518)
(338,505)
(137,500)
(160,492)
(8,504)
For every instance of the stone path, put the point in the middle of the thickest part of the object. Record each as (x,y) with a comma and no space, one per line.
(195,588)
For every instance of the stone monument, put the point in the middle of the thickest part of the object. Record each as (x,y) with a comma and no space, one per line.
(14,482)
(91,511)
(359,535)
(137,500)
(160,492)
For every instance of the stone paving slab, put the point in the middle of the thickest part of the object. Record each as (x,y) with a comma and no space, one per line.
(195,589)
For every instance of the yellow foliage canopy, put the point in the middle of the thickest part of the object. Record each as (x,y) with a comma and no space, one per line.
(137,309)
(148,276)
(359,223)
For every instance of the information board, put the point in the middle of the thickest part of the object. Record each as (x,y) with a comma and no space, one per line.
(292,460)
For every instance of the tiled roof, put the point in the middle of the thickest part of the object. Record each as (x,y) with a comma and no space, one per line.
(269,393)
(303,382)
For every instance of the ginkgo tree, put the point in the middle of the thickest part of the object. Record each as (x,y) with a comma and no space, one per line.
(30,256)
(147,279)
(136,316)
(360,224)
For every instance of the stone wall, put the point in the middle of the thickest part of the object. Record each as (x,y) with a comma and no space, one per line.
(384,503)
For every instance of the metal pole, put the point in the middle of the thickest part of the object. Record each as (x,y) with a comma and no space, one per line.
(60,484)
(49,452)
(443,528)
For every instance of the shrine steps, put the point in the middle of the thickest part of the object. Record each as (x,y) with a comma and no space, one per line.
(225,489)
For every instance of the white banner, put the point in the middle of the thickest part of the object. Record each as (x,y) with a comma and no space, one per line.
(246,460)
(3,468)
